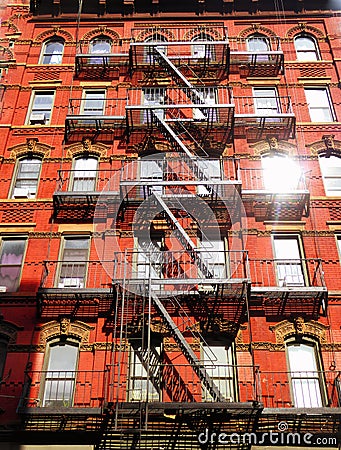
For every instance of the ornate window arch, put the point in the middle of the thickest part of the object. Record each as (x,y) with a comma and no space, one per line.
(52,51)
(306,47)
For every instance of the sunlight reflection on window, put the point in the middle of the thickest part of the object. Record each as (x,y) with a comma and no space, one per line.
(281,174)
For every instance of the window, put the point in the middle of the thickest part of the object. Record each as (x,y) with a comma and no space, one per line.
(84,174)
(212,170)
(100,45)
(305,375)
(266,101)
(331,173)
(11,259)
(306,48)
(60,375)
(257,43)
(288,260)
(319,104)
(74,262)
(41,108)
(219,363)
(145,371)
(206,96)
(152,97)
(201,49)
(213,254)
(280,173)
(151,170)
(93,103)
(27,178)
(149,55)
(52,52)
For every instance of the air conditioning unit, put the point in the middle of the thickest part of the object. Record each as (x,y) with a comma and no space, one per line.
(37,119)
(21,193)
(71,283)
(3,289)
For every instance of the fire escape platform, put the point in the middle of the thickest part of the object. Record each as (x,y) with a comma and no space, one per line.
(66,199)
(260,64)
(257,126)
(269,205)
(214,55)
(96,65)
(92,123)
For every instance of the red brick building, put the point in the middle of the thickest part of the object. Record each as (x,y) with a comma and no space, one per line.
(170,231)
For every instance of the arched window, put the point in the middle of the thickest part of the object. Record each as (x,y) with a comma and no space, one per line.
(201,49)
(331,173)
(305,375)
(84,174)
(59,377)
(149,50)
(26,178)
(100,45)
(257,43)
(306,48)
(52,52)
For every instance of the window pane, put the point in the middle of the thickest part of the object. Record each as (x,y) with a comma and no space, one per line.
(319,105)
(288,262)
(257,44)
(331,172)
(27,178)
(306,49)
(60,376)
(74,266)
(11,258)
(100,46)
(53,52)
(218,362)
(42,105)
(94,103)
(305,378)
(84,175)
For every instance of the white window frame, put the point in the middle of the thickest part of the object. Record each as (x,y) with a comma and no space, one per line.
(270,105)
(98,40)
(62,381)
(307,384)
(40,116)
(315,108)
(73,280)
(154,38)
(291,273)
(85,178)
(301,53)
(257,38)
(280,173)
(25,191)
(20,265)
(156,97)
(198,48)
(45,54)
(329,173)
(86,110)
(219,361)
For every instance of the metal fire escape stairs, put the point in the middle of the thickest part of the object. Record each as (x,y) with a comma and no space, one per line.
(173,135)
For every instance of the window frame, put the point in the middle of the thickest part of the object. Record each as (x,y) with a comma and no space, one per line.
(306,341)
(100,39)
(74,178)
(42,391)
(261,38)
(16,173)
(43,52)
(221,341)
(58,275)
(312,108)
(316,50)
(328,191)
(94,112)
(31,110)
(302,265)
(7,238)
(259,109)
